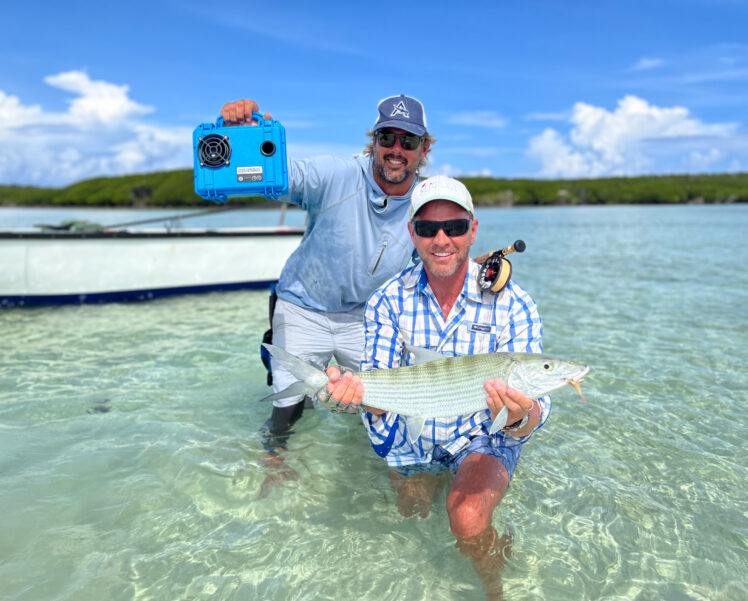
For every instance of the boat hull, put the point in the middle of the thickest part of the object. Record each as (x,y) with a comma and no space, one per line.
(74,268)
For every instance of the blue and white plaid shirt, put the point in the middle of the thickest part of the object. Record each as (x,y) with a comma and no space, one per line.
(405,311)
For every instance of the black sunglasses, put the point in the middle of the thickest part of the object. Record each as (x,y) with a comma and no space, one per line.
(453,227)
(386,139)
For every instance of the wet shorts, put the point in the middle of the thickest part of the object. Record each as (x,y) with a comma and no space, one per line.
(441,459)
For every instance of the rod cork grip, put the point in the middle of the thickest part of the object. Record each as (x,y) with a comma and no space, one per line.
(518,246)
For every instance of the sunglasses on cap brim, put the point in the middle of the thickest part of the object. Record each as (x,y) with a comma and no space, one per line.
(452,227)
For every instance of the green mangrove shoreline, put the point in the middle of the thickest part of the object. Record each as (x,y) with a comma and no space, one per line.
(174,189)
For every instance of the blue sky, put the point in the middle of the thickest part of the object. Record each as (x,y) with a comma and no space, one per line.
(511,89)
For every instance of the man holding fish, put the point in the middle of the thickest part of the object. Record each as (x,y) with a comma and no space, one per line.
(438,305)
(357,208)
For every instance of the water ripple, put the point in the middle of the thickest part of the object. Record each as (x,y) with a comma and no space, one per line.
(131,465)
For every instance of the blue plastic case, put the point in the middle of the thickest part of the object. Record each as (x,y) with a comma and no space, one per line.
(240,161)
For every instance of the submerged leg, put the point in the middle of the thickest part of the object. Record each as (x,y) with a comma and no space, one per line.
(276,430)
(275,433)
(487,552)
(415,494)
(478,486)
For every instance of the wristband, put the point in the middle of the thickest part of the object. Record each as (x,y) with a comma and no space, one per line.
(518,425)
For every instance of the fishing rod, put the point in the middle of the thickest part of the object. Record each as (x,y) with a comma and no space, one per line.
(68,225)
(167,218)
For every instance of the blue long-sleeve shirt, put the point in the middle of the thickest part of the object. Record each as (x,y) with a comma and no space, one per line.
(356,238)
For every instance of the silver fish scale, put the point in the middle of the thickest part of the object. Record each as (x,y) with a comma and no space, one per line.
(436,388)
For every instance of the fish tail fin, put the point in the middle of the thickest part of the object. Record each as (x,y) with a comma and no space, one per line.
(310,378)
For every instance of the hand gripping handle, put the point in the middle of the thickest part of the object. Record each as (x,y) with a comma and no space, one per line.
(258,116)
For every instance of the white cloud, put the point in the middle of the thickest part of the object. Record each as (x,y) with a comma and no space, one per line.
(101,133)
(97,101)
(561,116)
(635,138)
(486,119)
(702,161)
(13,113)
(645,64)
(559,159)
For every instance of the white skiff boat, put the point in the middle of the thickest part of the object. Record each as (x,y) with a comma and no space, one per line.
(38,266)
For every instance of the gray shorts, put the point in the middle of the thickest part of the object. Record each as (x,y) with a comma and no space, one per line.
(442,460)
(316,338)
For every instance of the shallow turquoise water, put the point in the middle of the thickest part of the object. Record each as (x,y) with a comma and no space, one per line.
(130,460)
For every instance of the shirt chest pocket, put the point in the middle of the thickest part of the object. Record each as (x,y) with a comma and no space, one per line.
(378,255)
(479,337)
(389,257)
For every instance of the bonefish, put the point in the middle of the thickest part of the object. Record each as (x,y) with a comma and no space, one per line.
(439,386)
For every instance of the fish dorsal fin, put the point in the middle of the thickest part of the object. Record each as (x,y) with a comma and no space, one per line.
(414,425)
(423,355)
(500,421)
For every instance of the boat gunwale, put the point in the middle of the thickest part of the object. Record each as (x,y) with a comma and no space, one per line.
(32,234)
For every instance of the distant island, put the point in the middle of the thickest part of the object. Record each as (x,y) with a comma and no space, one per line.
(174,189)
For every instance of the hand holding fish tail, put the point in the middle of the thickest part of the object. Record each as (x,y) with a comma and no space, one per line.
(517,404)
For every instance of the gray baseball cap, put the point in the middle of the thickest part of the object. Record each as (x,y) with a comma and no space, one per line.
(402,112)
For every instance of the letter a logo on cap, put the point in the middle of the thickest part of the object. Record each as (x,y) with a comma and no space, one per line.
(400,109)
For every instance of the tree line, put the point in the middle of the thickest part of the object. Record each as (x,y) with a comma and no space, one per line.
(175,189)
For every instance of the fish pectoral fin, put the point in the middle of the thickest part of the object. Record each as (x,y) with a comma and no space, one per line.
(500,421)
(423,355)
(414,425)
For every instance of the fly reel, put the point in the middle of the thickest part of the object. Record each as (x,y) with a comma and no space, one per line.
(496,270)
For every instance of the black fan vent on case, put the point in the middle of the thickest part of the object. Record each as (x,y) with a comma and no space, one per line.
(214,150)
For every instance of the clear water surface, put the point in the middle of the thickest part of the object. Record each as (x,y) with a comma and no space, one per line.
(130,464)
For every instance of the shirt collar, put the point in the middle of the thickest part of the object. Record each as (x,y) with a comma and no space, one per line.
(470,289)
(379,199)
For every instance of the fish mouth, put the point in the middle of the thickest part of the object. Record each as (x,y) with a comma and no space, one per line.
(579,378)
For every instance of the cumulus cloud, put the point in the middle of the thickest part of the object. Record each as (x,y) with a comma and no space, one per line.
(635,138)
(14,114)
(560,159)
(101,133)
(97,101)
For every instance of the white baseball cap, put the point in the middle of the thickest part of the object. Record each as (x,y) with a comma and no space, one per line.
(440,187)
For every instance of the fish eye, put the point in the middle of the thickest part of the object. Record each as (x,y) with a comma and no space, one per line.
(547,366)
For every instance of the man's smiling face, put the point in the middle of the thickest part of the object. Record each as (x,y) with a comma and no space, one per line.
(442,255)
(395,165)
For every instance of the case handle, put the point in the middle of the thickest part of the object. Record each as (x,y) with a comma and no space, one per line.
(258,116)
